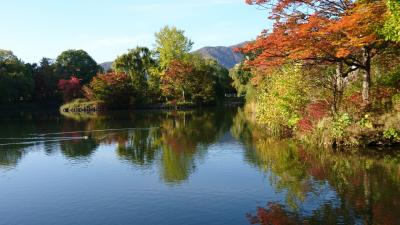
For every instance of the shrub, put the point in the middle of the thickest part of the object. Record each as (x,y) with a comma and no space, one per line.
(339,125)
(392,134)
(365,122)
(390,79)
(114,89)
(281,98)
(396,101)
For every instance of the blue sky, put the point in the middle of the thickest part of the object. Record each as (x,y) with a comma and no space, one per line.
(105,29)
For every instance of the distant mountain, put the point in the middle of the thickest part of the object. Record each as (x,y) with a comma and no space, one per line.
(226,56)
(106,65)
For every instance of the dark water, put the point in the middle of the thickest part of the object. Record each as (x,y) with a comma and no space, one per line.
(200,167)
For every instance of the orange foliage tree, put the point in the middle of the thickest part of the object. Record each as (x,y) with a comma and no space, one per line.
(341,32)
(191,81)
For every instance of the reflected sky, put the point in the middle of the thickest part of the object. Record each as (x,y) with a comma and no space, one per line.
(191,167)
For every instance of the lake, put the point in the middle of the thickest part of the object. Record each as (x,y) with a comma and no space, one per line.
(188,167)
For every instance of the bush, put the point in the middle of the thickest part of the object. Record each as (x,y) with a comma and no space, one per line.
(339,125)
(392,134)
(114,89)
(281,98)
(396,101)
(391,79)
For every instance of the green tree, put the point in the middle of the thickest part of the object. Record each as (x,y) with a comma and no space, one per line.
(76,63)
(16,83)
(45,82)
(171,44)
(241,79)
(392,26)
(221,76)
(139,65)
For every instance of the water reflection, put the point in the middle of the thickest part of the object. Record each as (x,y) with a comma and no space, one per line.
(323,187)
(311,186)
(10,157)
(172,141)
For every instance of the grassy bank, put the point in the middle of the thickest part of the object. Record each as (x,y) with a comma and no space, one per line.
(82,106)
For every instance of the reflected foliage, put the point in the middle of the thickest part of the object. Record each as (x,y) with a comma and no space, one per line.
(139,147)
(323,187)
(79,149)
(172,141)
(313,186)
(9,157)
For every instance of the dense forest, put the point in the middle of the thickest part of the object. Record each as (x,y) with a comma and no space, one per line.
(170,73)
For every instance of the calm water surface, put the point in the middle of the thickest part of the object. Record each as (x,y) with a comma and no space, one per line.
(173,168)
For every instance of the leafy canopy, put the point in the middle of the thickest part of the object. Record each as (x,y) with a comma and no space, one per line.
(171,44)
(77,63)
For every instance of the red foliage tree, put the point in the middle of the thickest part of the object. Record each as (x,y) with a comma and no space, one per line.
(70,89)
(114,89)
(321,32)
(175,81)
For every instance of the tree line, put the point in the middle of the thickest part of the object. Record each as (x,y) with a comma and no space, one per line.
(169,73)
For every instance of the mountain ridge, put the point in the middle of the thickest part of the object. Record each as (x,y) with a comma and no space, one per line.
(224,55)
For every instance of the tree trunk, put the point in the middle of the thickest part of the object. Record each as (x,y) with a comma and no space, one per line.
(366,82)
(338,87)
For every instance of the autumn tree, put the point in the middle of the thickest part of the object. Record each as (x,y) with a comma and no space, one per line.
(114,89)
(70,88)
(189,80)
(321,32)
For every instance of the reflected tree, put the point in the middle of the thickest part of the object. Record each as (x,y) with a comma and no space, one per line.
(79,149)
